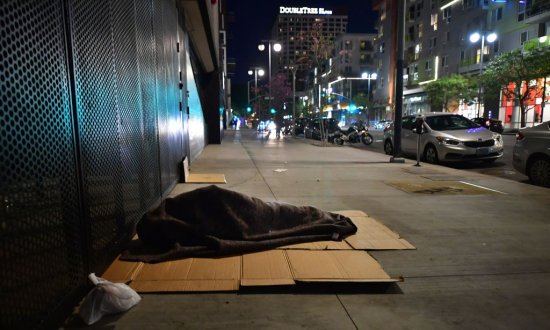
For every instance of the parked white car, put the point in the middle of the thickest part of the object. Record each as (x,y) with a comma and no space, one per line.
(532,153)
(447,137)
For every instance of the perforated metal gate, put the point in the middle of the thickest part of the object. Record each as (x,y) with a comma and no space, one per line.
(91,136)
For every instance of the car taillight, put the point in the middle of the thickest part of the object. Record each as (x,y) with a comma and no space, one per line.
(519,136)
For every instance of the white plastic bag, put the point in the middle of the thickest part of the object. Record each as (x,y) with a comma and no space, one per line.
(106,298)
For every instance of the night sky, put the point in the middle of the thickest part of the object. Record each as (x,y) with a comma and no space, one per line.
(252,21)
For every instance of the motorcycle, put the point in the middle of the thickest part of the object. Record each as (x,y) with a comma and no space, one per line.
(354,134)
(287,129)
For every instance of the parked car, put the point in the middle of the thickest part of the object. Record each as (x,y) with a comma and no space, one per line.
(383,124)
(491,124)
(313,131)
(446,137)
(300,124)
(532,153)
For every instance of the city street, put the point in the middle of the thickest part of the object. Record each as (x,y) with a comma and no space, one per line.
(481,245)
(502,168)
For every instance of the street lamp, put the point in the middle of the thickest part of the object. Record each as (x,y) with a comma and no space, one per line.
(276,47)
(369,77)
(256,72)
(474,38)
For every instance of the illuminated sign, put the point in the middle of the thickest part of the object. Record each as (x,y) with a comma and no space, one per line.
(304,11)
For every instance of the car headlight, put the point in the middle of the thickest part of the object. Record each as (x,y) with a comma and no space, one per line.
(497,137)
(445,140)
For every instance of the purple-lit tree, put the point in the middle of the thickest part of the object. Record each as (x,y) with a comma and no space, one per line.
(280,91)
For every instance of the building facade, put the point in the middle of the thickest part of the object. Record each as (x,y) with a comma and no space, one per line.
(352,76)
(295,29)
(102,101)
(437,44)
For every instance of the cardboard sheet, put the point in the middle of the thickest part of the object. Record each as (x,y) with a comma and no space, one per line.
(266,268)
(372,235)
(336,266)
(200,177)
(321,245)
(205,178)
(122,271)
(193,274)
(330,261)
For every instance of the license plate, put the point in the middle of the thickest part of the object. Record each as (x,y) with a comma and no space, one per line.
(482,151)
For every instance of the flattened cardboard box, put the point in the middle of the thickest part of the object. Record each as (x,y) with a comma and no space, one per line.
(192,274)
(266,268)
(331,266)
(329,261)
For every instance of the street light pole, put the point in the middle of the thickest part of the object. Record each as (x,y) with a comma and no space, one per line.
(276,47)
(474,37)
(248,91)
(480,73)
(256,71)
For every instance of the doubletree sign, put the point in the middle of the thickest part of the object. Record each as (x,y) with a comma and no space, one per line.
(304,11)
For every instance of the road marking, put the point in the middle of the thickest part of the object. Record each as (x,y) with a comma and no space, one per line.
(481,187)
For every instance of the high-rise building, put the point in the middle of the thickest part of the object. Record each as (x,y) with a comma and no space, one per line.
(305,34)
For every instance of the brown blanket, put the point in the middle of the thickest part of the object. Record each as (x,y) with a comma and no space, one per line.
(213,221)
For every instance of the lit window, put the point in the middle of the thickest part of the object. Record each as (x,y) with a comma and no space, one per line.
(433,21)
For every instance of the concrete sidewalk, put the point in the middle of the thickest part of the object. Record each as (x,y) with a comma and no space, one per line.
(482,258)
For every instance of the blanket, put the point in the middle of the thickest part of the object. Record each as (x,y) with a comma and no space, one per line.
(213,221)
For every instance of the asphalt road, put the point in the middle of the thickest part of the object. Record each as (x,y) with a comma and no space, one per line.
(501,168)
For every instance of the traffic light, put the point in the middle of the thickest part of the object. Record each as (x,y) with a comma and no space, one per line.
(352,107)
(273,111)
(248,109)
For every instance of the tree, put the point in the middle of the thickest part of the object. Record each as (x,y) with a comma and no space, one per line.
(446,93)
(512,72)
(361,100)
(319,51)
(280,91)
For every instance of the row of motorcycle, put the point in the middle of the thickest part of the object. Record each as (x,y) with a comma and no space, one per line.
(356,133)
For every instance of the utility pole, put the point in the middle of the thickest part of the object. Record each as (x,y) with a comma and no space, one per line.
(396,158)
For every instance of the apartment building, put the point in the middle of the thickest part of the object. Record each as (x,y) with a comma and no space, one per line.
(437,44)
(352,68)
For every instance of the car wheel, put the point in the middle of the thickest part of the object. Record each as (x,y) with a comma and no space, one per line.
(430,154)
(388,147)
(539,172)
